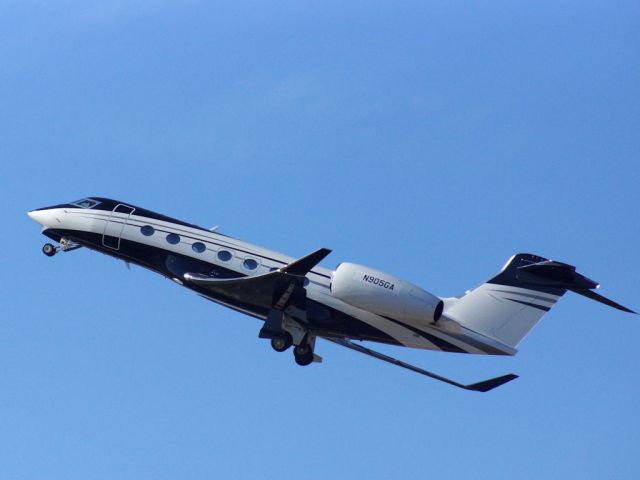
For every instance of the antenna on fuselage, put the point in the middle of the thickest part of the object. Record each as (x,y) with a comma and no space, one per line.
(213,229)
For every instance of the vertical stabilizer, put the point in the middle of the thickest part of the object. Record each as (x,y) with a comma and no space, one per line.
(509,305)
(505,308)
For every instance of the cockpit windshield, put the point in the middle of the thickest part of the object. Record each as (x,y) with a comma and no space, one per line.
(86,203)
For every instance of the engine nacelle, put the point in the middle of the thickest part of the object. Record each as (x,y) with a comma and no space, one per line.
(385,294)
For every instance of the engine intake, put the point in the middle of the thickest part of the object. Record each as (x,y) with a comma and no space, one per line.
(384,294)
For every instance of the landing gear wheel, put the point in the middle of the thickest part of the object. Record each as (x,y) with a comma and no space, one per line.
(49,250)
(303,354)
(281,342)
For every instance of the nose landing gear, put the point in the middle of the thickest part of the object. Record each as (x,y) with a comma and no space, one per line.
(66,245)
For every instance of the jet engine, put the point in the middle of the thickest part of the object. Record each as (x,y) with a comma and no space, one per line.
(385,294)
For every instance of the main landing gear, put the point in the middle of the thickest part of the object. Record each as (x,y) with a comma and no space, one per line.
(66,245)
(284,332)
(303,353)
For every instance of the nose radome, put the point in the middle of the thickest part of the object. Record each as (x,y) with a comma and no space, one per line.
(39,216)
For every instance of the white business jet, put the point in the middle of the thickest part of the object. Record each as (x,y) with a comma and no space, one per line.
(300,301)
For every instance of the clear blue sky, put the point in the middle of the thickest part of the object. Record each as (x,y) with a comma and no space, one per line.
(428,139)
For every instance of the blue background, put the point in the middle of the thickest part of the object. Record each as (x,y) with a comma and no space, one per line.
(428,139)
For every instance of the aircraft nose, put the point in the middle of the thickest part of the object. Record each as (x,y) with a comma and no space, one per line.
(42,215)
(37,215)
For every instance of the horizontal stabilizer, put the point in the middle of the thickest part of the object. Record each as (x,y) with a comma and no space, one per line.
(554,274)
(599,298)
(562,275)
(483,386)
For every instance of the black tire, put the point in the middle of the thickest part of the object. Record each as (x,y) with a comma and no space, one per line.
(49,250)
(282,342)
(304,360)
(302,350)
(303,354)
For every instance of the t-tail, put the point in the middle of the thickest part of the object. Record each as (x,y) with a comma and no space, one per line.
(508,306)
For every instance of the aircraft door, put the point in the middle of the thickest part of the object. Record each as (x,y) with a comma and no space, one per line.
(115,226)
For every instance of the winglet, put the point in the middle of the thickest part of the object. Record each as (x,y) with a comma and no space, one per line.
(302,266)
(491,384)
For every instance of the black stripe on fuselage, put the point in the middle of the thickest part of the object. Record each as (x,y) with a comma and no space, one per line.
(437,341)
(449,347)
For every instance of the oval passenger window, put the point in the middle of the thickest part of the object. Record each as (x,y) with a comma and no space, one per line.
(173,239)
(250,264)
(224,255)
(147,230)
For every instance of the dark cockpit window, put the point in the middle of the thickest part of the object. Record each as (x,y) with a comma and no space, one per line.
(147,230)
(85,203)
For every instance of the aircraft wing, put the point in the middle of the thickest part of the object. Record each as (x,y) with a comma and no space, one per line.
(483,386)
(275,290)
(271,290)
